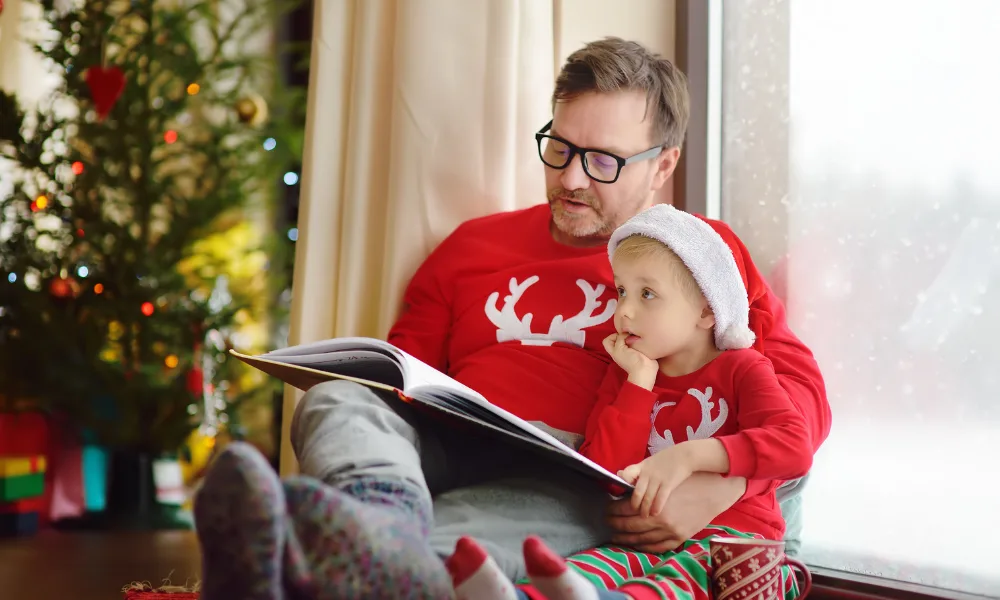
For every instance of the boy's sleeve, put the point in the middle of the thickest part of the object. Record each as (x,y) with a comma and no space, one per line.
(424,323)
(618,427)
(773,442)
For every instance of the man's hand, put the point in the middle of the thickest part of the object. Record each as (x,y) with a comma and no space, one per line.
(656,477)
(690,508)
(641,369)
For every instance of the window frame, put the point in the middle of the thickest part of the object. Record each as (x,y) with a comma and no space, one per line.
(698,188)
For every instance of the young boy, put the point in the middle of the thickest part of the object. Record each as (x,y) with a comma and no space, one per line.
(685,364)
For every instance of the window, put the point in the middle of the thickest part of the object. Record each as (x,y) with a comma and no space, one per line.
(859,159)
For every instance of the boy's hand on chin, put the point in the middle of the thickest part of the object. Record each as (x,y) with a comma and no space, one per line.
(641,369)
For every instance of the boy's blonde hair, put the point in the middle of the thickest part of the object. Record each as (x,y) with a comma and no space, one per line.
(638,246)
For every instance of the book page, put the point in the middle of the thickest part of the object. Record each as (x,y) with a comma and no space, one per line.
(362,364)
(326,347)
(300,376)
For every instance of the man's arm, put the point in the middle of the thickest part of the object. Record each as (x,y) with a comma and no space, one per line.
(690,508)
(424,321)
(794,364)
(797,370)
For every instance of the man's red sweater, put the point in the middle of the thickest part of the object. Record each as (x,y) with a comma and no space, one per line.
(502,307)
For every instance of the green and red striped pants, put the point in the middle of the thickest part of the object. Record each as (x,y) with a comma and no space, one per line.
(682,574)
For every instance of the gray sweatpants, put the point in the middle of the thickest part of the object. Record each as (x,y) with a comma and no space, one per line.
(480,486)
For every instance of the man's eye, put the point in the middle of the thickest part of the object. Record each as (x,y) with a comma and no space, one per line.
(604,162)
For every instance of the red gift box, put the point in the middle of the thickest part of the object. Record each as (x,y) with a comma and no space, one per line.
(23,434)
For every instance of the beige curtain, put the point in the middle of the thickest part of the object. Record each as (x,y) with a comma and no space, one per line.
(21,70)
(420,116)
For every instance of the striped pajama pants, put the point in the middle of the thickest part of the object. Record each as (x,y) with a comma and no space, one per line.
(683,574)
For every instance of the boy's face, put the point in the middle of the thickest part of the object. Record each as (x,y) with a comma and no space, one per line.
(662,318)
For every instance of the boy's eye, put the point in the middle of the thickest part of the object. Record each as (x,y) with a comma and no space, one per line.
(648,295)
(621,292)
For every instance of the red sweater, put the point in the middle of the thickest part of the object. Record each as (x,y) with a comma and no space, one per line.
(537,352)
(736,399)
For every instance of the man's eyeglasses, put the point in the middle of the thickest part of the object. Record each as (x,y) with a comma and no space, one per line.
(599,165)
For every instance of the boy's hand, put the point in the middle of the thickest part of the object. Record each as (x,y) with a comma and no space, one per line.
(656,477)
(641,369)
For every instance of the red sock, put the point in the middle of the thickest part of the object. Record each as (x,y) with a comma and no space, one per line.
(550,574)
(476,575)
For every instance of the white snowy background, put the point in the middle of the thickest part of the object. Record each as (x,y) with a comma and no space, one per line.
(892,222)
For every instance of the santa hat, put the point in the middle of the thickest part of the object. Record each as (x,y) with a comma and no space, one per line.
(710,259)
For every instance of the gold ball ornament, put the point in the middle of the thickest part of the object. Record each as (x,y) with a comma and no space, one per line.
(252,110)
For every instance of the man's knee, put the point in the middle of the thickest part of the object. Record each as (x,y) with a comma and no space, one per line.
(325,399)
(790,500)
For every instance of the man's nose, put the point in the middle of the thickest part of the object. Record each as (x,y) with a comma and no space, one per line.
(573,176)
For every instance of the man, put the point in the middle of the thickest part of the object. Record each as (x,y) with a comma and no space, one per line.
(516,306)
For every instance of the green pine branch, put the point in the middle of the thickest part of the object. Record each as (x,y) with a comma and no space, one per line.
(131,216)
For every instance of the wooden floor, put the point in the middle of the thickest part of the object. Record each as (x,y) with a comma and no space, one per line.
(94,566)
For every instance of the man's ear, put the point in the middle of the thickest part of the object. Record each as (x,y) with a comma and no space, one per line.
(666,162)
(707,320)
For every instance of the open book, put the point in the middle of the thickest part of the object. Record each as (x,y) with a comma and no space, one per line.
(379,364)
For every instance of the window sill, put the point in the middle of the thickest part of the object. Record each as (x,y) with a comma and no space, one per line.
(839,585)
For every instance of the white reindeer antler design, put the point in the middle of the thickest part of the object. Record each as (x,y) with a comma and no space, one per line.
(509,327)
(656,441)
(708,425)
(572,329)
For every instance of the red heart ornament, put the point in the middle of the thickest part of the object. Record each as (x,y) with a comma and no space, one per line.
(106,86)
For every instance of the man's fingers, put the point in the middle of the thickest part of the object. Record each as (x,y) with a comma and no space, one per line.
(647,539)
(620,508)
(630,524)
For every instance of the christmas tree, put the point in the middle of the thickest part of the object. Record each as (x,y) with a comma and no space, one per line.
(126,260)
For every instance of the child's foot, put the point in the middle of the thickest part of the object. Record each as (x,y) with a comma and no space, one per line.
(476,575)
(550,575)
(240,521)
(361,551)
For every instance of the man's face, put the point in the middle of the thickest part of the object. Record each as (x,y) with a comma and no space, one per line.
(584,211)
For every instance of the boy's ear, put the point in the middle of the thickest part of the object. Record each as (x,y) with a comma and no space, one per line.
(707,320)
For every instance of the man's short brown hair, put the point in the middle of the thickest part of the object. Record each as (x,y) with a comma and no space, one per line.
(617,65)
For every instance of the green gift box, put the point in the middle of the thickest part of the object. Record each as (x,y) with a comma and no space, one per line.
(17,487)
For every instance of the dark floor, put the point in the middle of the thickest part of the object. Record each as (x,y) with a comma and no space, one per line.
(94,566)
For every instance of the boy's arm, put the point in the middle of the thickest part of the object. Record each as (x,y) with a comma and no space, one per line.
(773,442)
(618,426)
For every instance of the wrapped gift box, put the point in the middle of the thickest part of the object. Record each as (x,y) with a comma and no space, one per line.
(21,477)
(12,466)
(23,434)
(18,523)
(22,486)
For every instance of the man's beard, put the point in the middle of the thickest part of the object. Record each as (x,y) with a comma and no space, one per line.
(589,224)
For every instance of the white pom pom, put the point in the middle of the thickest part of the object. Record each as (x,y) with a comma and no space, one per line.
(737,337)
